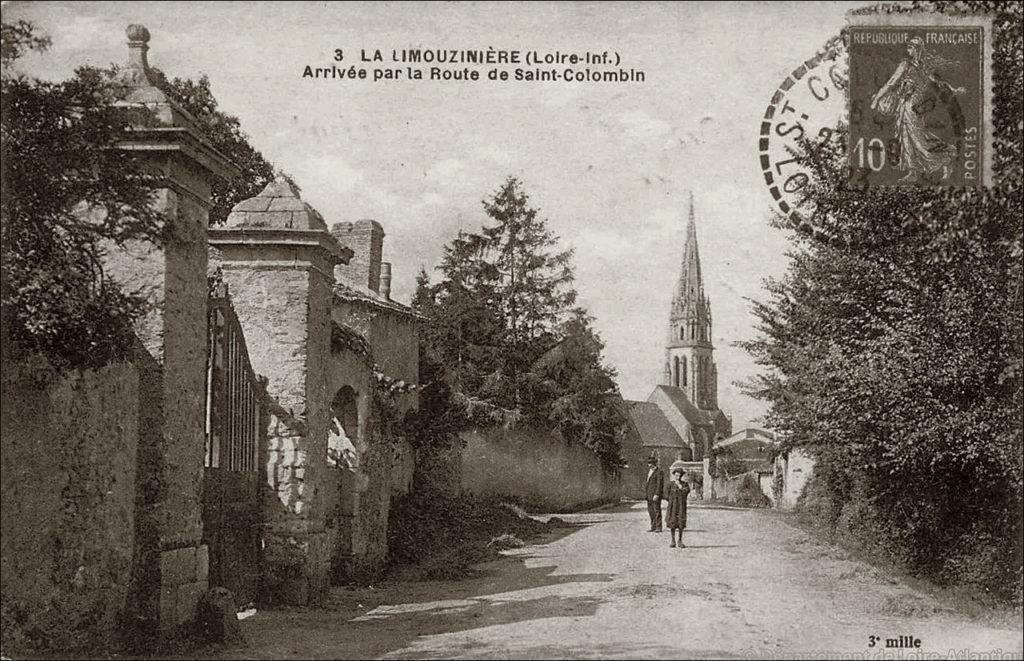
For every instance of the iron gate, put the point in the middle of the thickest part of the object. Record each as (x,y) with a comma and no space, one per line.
(235,431)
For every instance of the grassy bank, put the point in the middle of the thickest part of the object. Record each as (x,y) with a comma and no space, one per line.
(439,537)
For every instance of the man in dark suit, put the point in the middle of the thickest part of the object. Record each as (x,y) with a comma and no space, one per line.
(655,487)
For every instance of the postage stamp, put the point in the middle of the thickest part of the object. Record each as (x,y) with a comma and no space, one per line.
(920,99)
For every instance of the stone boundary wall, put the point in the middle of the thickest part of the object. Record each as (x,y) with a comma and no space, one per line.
(67,521)
(794,468)
(536,467)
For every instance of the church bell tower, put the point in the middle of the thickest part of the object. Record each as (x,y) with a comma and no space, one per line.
(689,365)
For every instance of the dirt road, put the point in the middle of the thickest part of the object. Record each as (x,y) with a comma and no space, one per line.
(748,584)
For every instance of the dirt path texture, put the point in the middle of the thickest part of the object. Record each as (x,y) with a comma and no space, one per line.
(747,585)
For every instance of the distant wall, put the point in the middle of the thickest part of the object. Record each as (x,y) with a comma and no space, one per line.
(795,468)
(537,467)
(67,521)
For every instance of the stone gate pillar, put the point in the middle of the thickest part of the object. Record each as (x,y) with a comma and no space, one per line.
(170,570)
(278,260)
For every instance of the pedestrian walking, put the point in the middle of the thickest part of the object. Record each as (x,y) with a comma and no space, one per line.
(678,491)
(653,492)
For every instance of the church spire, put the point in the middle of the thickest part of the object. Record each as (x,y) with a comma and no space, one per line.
(689,365)
(690,319)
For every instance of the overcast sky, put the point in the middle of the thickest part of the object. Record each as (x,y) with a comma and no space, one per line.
(609,165)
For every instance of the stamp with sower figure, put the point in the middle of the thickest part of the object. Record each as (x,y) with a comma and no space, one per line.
(920,100)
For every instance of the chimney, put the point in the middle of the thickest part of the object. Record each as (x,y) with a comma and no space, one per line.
(385,280)
(366,239)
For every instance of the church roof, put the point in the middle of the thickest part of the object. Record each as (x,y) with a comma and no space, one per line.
(652,425)
(678,398)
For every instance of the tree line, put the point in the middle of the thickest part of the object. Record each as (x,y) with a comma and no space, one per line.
(892,352)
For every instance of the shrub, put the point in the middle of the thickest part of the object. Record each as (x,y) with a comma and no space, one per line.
(749,493)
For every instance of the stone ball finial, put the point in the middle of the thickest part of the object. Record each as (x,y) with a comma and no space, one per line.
(137,32)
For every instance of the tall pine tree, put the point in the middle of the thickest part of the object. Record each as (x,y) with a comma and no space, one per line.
(534,288)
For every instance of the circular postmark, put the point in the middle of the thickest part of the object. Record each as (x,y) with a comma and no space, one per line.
(911,91)
(808,105)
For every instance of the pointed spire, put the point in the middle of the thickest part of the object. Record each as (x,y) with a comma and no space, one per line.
(690,291)
(691,314)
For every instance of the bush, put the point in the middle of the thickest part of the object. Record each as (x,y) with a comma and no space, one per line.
(442,535)
(749,493)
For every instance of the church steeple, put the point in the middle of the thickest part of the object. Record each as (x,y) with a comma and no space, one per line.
(688,362)
(690,319)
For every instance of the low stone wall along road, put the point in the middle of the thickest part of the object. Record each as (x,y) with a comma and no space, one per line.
(747,585)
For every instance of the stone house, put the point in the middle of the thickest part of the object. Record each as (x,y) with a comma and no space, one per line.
(754,448)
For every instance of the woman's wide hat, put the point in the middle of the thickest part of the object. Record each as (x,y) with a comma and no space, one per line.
(677,465)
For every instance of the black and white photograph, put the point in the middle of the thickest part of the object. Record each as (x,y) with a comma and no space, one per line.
(512,330)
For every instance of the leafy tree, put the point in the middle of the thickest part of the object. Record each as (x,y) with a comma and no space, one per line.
(892,351)
(67,192)
(465,328)
(18,38)
(502,340)
(583,402)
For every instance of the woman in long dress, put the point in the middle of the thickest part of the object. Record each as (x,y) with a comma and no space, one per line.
(675,517)
(904,95)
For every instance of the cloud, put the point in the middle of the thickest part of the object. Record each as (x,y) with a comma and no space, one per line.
(694,135)
(432,199)
(339,190)
(640,125)
(445,168)
(493,154)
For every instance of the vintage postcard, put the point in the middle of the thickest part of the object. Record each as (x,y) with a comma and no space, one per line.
(511,330)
